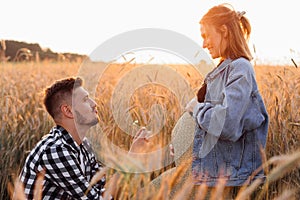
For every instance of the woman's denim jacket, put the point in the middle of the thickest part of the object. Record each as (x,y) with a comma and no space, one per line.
(231,126)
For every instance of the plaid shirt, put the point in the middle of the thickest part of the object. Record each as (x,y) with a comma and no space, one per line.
(68,168)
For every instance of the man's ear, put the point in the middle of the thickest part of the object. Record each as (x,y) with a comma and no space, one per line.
(66,111)
(224,30)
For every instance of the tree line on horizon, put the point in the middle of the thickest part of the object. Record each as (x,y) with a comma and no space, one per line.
(16,51)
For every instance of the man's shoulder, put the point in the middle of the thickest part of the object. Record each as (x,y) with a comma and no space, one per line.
(52,139)
(55,144)
(49,141)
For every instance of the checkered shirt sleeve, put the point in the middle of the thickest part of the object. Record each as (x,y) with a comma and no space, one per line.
(64,177)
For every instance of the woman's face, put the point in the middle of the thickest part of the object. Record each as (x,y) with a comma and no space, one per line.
(213,41)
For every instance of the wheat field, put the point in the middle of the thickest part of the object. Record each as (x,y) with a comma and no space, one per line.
(24,121)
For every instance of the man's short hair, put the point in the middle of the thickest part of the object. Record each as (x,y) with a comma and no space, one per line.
(60,92)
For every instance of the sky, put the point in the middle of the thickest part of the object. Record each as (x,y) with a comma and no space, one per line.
(81,26)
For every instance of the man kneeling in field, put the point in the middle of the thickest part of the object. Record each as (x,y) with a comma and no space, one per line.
(65,156)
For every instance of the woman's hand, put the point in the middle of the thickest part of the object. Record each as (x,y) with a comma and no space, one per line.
(191,105)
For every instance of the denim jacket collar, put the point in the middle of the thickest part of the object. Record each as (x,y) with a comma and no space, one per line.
(211,75)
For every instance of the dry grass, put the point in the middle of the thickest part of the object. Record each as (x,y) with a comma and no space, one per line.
(24,122)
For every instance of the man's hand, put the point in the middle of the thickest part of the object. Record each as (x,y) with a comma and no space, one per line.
(141,142)
(171,148)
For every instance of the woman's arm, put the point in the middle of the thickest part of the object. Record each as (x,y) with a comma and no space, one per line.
(224,119)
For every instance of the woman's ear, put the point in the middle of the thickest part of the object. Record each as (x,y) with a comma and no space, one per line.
(224,30)
(66,111)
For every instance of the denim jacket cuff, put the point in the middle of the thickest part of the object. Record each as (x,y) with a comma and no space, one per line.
(197,109)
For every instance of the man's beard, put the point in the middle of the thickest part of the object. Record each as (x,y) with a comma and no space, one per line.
(81,120)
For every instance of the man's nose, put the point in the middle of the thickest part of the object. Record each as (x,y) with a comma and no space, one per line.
(93,103)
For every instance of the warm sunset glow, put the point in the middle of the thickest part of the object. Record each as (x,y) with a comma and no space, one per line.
(73,26)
